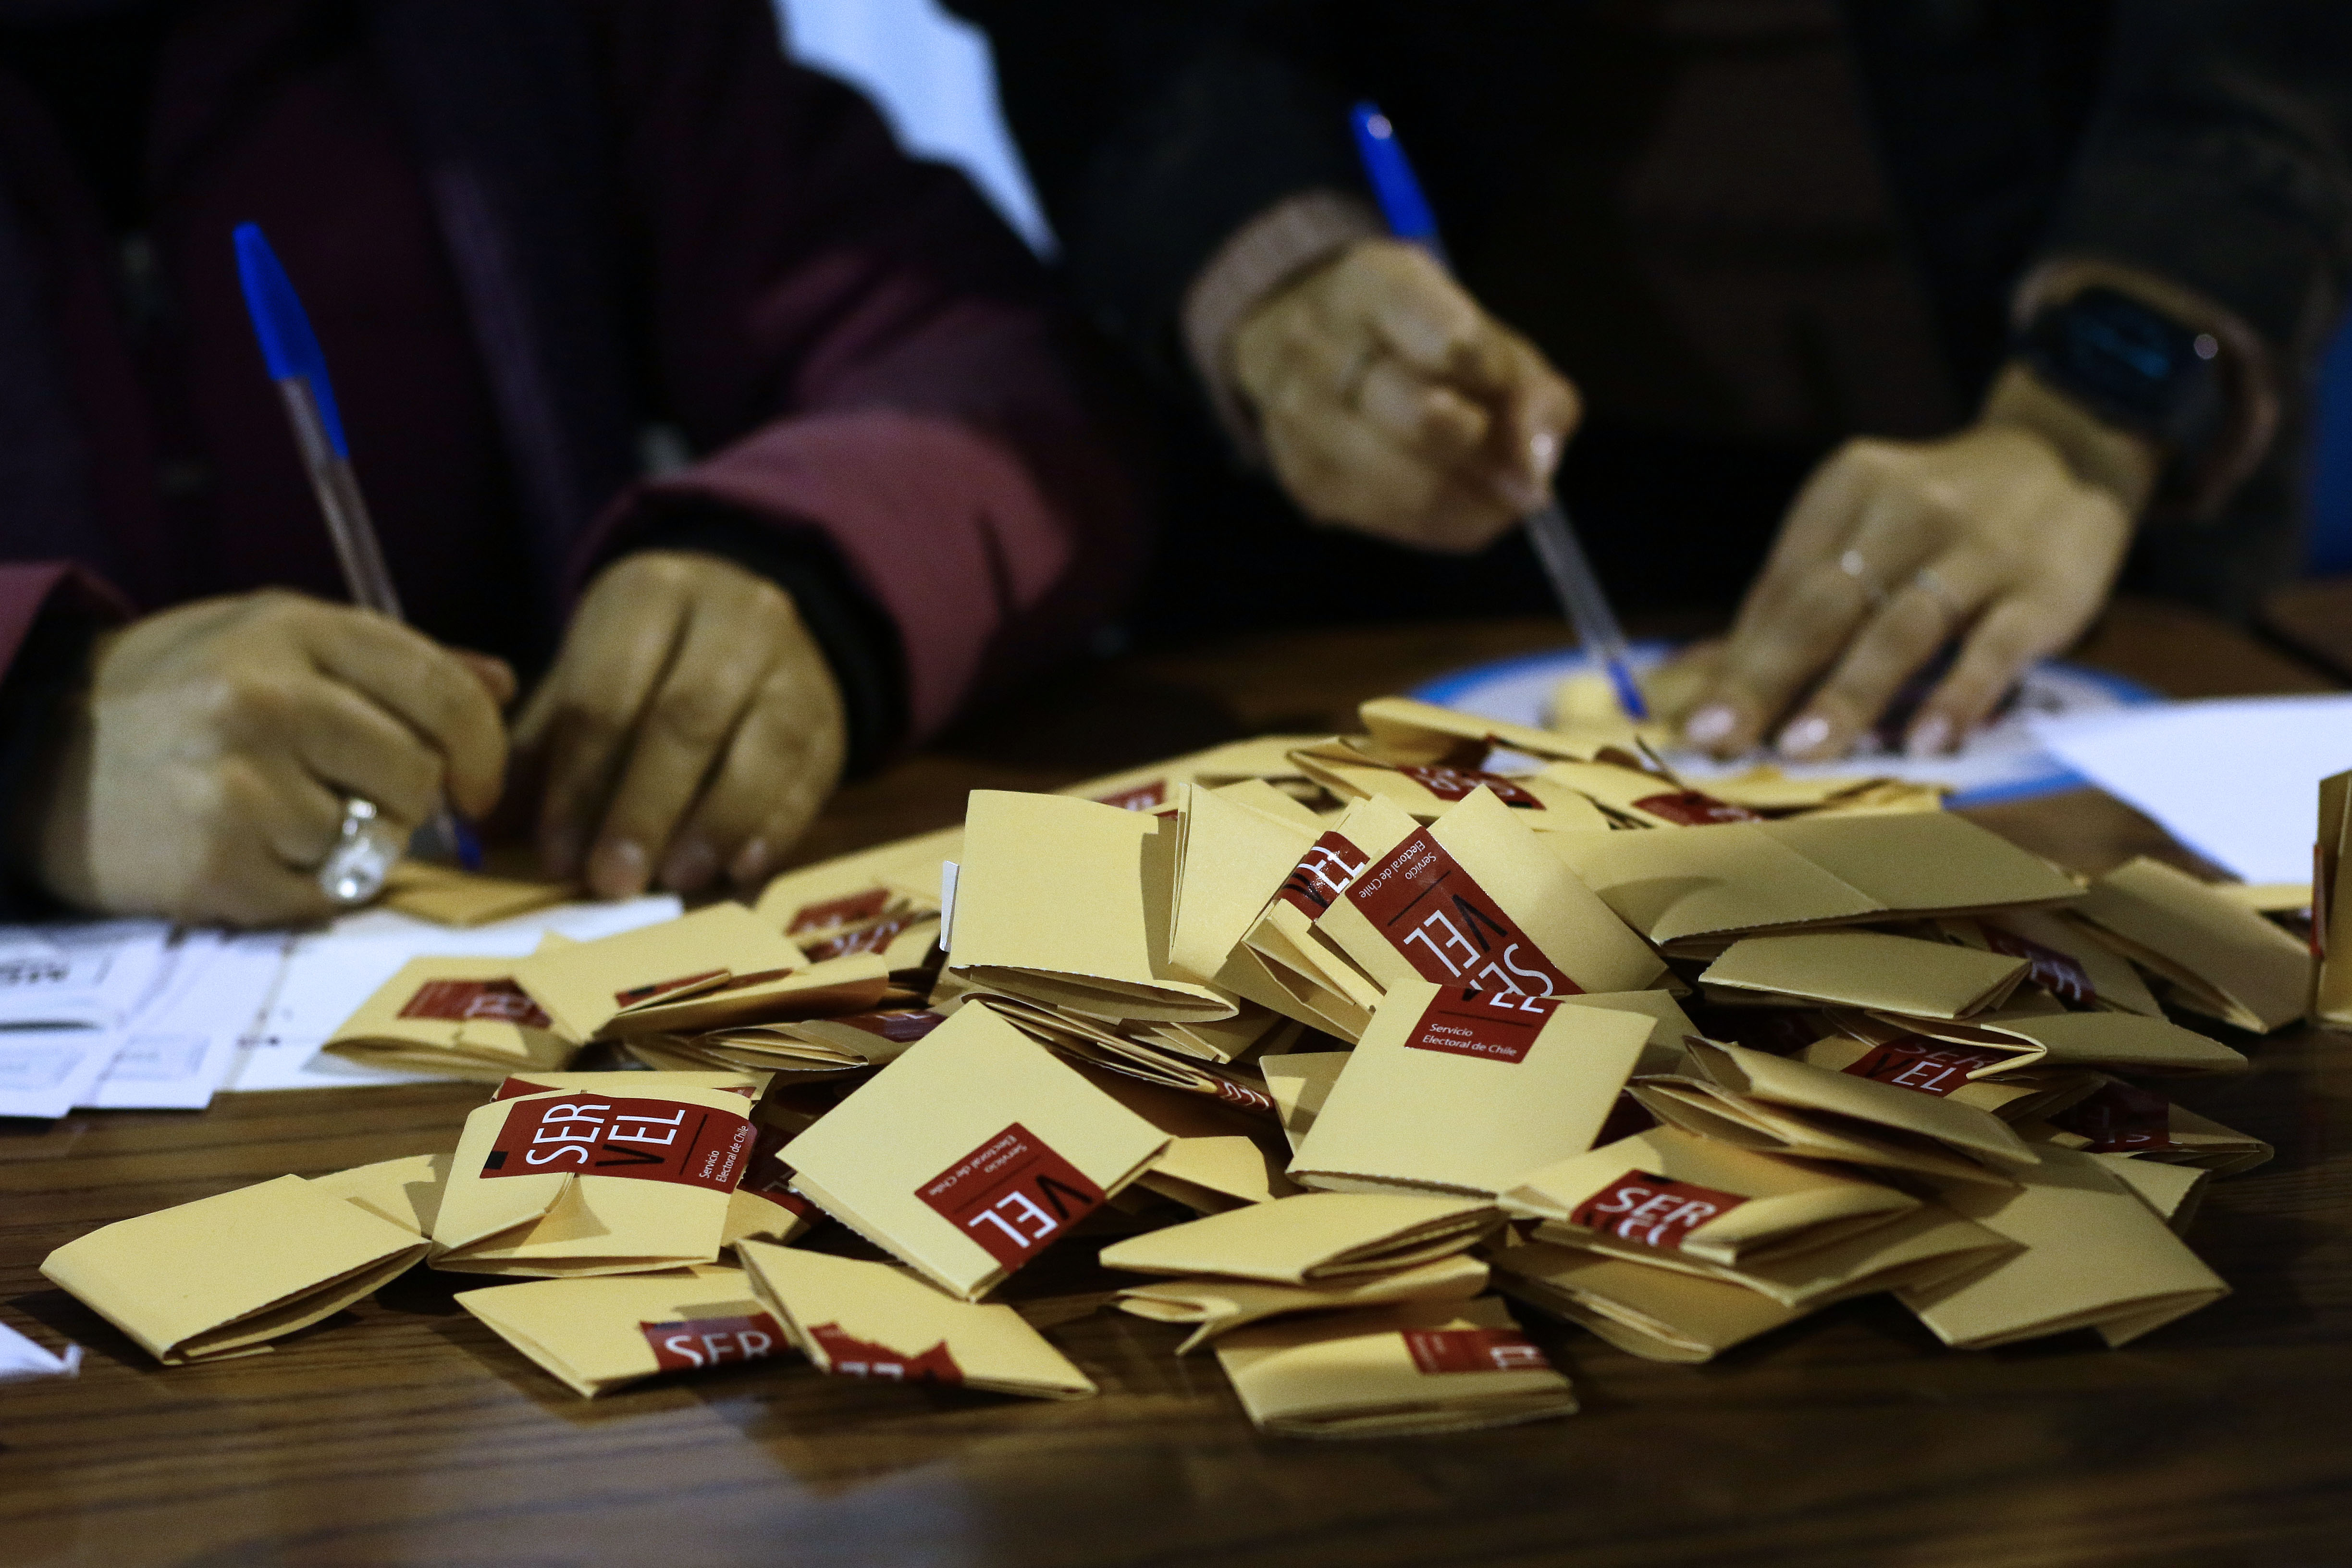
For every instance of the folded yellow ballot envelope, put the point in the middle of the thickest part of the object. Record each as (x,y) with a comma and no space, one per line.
(406,1191)
(225,1275)
(2174,1192)
(1065,902)
(971,1153)
(1231,859)
(1428,789)
(2094,1256)
(1294,966)
(1746,878)
(1473,900)
(1664,1051)
(1663,1314)
(584,986)
(1216,1305)
(855,1319)
(1460,1092)
(597,1335)
(747,1084)
(1097,1044)
(856,984)
(586,1182)
(447,896)
(1774,1105)
(1669,1191)
(1637,798)
(846,1042)
(850,891)
(2215,955)
(2126,1118)
(1407,730)
(1219,1172)
(1868,969)
(1418,1368)
(1947,1072)
(2065,957)
(463,1017)
(1312,1239)
(2084,1039)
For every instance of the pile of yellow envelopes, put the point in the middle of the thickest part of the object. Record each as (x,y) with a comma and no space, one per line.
(1338,1051)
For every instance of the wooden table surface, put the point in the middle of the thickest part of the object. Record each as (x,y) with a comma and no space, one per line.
(404,1432)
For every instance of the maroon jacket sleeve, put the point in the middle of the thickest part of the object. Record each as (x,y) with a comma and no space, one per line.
(864,357)
(32,589)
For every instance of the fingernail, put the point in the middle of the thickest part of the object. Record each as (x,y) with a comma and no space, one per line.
(689,865)
(1804,736)
(617,868)
(750,866)
(1710,724)
(559,851)
(1930,737)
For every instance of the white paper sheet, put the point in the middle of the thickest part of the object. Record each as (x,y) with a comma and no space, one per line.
(45,1073)
(21,1360)
(2237,780)
(180,1048)
(93,973)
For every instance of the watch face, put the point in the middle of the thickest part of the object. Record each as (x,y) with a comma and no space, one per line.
(2133,364)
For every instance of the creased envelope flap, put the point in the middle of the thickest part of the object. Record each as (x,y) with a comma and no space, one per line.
(977,1116)
(2261,973)
(583,985)
(1869,969)
(2093,1252)
(1300,1083)
(2094,1039)
(597,1333)
(406,1192)
(1663,1314)
(1924,862)
(1313,1237)
(1706,881)
(849,984)
(1421,1366)
(830,1303)
(1449,1090)
(1233,859)
(233,1270)
(1794,1083)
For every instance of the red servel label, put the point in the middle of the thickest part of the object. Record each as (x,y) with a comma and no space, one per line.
(1436,1351)
(2121,1119)
(1142,797)
(1494,1025)
(1448,927)
(1929,1066)
(841,911)
(1458,783)
(1648,1209)
(695,1344)
(2060,974)
(850,1356)
(1689,808)
(639,1140)
(872,939)
(457,1000)
(1014,1196)
(1321,875)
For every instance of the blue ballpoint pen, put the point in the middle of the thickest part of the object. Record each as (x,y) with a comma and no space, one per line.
(1407,214)
(298,366)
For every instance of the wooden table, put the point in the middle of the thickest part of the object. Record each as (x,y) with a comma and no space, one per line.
(406,1433)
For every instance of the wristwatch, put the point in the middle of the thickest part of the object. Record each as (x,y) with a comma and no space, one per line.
(2132,366)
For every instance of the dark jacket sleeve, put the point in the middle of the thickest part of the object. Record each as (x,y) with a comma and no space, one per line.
(1155,129)
(868,363)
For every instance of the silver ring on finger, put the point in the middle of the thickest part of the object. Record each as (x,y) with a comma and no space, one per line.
(1856,567)
(1928,581)
(364,851)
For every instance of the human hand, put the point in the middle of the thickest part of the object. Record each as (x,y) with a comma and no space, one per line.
(205,772)
(1390,403)
(691,726)
(1895,549)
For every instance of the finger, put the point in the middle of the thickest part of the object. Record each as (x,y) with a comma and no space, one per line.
(279,808)
(415,679)
(497,676)
(580,721)
(354,747)
(728,649)
(1415,307)
(1539,413)
(1421,417)
(1773,656)
(783,763)
(1349,472)
(2011,637)
(1908,631)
